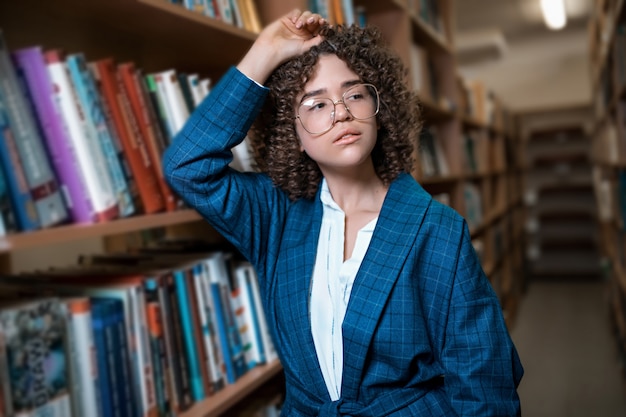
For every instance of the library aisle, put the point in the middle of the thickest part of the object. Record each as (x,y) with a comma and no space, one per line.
(564,338)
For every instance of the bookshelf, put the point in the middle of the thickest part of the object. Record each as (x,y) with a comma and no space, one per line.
(607,32)
(157,35)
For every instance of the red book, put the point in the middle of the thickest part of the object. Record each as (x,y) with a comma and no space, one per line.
(137,95)
(133,143)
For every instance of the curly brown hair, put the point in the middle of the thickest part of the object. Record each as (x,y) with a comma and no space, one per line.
(273,136)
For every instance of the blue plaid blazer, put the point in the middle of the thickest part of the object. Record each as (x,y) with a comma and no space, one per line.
(423,333)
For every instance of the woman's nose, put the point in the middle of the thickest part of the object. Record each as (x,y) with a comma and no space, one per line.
(341,111)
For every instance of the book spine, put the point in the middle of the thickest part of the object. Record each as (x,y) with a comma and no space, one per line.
(196,304)
(207,317)
(117,144)
(31,63)
(36,329)
(13,170)
(90,101)
(41,180)
(159,111)
(160,363)
(268,345)
(173,98)
(174,372)
(100,321)
(193,364)
(249,325)
(85,145)
(155,141)
(148,180)
(84,372)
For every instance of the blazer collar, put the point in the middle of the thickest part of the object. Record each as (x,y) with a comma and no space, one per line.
(396,231)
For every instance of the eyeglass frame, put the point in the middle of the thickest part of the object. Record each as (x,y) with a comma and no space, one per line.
(334,112)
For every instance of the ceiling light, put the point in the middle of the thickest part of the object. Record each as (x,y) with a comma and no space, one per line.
(554,13)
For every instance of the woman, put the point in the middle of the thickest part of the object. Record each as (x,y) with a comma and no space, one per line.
(377,302)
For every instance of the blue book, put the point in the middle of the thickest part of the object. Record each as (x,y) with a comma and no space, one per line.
(13,171)
(90,101)
(101,320)
(191,354)
(230,341)
(117,358)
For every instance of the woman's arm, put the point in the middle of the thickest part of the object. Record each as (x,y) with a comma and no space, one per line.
(482,367)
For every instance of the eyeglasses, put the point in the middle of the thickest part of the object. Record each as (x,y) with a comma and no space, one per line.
(317,115)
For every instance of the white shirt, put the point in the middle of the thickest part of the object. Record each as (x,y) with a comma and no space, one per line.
(332,284)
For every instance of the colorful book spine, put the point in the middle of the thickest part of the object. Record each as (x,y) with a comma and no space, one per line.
(249,325)
(31,63)
(160,360)
(191,355)
(36,354)
(154,136)
(38,172)
(16,205)
(89,98)
(230,342)
(173,99)
(103,322)
(135,150)
(92,167)
(86,399)
(207,316)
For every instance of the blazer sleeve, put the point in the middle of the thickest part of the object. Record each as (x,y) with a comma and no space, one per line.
(196,165)
(482,367)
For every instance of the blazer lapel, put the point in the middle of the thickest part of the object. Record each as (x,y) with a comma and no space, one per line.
(396,231)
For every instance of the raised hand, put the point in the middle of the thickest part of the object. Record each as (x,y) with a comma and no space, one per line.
(284,38)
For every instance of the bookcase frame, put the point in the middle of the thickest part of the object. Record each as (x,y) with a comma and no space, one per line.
(607,41)
(156,34)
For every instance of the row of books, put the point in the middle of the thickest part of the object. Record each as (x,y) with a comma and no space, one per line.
(165,331)
(339,11)
(429,11)
(241,13)
(432,157)
(81,141)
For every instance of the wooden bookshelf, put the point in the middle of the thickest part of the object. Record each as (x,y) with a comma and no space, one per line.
(158,35)
(607,38)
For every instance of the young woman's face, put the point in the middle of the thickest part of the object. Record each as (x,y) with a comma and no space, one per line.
(349,142)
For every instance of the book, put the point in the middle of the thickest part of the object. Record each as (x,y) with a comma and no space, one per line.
(85,145)
(16,200)
(246,315)
(133,144)
(230,341)
(155,137)
(139,106)
(160,362)
(89,98)
(40,177)
(30,62)
(105,319)
(85,397)
(208,317)
(269,349)
(186,321)
(35,350)
(159,110)
(171,96)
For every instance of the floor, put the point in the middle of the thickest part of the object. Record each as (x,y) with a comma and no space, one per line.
(564,338)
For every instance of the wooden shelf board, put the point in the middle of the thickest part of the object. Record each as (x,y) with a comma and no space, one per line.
(74,232)
(219,403)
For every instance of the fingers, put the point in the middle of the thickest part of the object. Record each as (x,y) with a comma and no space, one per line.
(307,20)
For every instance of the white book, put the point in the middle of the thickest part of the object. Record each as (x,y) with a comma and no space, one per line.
(82,366)
(248,320)
(237,15)
(268,343)
(226,12)
(174,104)
(207,320)
(196,91)
(205,86)
(88,152)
